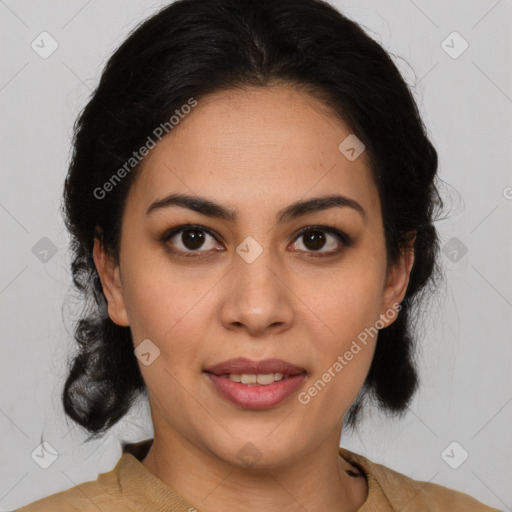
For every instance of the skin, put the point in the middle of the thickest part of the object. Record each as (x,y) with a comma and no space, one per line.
(254,150)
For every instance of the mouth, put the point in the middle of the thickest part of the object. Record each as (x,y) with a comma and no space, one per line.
(255,379)
(255,384)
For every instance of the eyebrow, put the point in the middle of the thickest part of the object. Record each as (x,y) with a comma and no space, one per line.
(293,211)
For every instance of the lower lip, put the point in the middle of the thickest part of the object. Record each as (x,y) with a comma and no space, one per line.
(255,396)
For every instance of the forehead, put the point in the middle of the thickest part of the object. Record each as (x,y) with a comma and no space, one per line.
(252,147)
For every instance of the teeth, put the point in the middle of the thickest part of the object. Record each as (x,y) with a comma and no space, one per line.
(261,378)
(248,379)
(267,378)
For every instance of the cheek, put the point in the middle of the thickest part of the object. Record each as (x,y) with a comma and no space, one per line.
(343,351)
(348,302)
(165,307)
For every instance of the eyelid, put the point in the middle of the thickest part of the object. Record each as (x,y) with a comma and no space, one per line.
(184,227)
(345,239)
(170,233)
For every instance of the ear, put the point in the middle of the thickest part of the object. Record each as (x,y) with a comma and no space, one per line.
(111,283)
(397,281)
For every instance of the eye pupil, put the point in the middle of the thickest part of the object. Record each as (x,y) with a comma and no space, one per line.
(194,240)
(314,240)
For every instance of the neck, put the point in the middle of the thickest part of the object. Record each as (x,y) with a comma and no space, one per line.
(317,480)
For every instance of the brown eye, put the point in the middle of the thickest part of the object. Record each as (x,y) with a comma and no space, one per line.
(190,240)
(316,238)
(193,240)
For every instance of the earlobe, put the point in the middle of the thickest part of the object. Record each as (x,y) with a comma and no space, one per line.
(111,283)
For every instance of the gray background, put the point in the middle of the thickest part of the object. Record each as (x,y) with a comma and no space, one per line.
(466,347)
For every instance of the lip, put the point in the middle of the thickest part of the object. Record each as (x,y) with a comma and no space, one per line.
(241,365)
(250,396)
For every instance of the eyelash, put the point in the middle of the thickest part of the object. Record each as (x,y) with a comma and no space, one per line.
(345,239)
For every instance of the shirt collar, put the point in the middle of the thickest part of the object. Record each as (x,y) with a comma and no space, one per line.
(150,494)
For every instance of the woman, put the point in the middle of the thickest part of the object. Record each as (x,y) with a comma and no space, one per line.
(251,202)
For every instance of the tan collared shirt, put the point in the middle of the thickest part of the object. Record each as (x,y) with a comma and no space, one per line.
(131,487)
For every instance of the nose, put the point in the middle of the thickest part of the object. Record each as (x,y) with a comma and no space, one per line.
(258,298)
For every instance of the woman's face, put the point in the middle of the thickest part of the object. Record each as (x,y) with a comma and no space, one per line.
(252,286)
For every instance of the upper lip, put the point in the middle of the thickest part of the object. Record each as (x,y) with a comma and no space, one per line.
(242,365)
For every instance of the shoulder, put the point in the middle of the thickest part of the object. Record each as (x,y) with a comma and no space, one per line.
(92,496)
(408,495)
